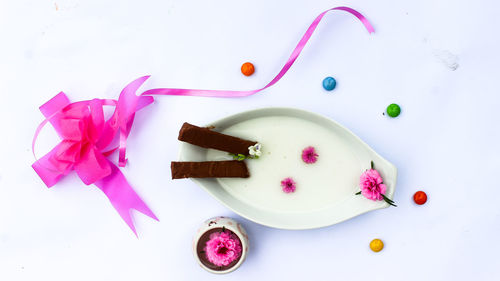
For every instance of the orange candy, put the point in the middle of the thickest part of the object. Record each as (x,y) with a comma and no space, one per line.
(247,69)
(420,197)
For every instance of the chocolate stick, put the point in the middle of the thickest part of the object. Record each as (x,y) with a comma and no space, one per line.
(209,169)
(207,138)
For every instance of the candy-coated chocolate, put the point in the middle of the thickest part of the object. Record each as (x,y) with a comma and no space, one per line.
(420,197)
(376,245)
(393,110)
(247,69)
(329,83)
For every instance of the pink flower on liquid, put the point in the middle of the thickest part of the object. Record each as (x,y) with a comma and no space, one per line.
(309,155)
(371,185)
(223,248)
(288,185)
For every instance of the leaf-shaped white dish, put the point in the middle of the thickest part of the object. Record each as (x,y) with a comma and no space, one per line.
(325,193)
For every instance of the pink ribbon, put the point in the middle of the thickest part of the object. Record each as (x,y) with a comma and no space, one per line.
(86,135)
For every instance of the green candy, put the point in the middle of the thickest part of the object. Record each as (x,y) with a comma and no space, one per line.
(393,110)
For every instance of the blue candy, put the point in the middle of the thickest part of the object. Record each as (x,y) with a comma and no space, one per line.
(329,83)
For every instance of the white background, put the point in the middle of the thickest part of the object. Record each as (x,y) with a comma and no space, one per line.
(446,141)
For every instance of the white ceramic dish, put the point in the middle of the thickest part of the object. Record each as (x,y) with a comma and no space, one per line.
(325,193)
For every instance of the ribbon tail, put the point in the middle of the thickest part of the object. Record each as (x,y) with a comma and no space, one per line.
(357,14)
(123,197)
(291,60)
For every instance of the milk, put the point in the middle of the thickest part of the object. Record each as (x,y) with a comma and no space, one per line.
(332,179)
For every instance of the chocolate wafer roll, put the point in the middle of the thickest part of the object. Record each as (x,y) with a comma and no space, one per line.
(207,138)
(209,169)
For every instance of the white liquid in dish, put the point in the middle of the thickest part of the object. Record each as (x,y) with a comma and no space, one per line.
(332,179)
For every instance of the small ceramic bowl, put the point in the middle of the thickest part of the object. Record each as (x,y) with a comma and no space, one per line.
(219,224)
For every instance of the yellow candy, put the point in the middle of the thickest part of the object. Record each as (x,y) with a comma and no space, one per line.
(376,245)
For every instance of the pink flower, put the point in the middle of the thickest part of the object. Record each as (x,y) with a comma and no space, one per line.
(223,248)
(309,155)
(371,185)
(288,185)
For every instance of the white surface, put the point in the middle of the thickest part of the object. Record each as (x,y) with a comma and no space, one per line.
(445,142)
(325,192)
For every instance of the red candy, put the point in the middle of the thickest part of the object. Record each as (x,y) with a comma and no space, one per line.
(420,197)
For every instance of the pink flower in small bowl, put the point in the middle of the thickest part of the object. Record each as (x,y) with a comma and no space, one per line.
(372,186)
(309,155)
(223,248)
(288,185)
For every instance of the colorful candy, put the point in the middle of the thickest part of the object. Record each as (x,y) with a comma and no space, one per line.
(247,69)
(393,110)
(376,245)
(329,83)
(420,197)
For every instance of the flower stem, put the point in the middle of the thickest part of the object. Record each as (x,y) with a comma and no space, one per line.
(388,201)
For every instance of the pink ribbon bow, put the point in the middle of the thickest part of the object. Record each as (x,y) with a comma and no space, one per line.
(86,135)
